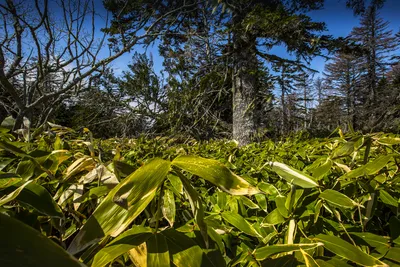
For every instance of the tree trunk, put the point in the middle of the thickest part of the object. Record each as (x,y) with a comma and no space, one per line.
(244,88)
(284,111)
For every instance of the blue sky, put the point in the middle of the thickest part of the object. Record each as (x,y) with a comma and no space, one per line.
(338,18)
(340,21)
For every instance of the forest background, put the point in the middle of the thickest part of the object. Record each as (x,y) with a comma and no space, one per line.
(246,70)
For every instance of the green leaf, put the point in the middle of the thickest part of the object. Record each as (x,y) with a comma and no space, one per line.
(141,182)
(320,171)
(196,206)
(176,183)
(248,203)
(393,254)
(333,262)
(25,169)
(168,207)
(370,168)
(338,199)
(387,198)
(184,251)
(123,168)
(264,252)
(344,150)
(112,219)
(40,199)
(216,173)
(11,196)
(293,176)
(389,141)
(308,259)
(157,251)
(240,223)
(5,162)
(84,163)
(280,205)
(376,165)
(346,250)
(8,123)
(394,224)
(262,202)
(21,245)
(273,218)
(217,238)
(317,210)
(123,243)
(372,239)
(269,189)
(92,193)
(9,179)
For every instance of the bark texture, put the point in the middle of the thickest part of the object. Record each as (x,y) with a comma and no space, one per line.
(244,88)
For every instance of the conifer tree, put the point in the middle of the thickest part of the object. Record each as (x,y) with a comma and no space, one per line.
(342,78)
(377,44)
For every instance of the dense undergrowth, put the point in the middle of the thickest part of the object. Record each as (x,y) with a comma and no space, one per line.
(164,202)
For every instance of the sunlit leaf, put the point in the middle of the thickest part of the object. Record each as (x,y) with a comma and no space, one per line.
(112,219)
(269,189)
(123,243)
(280,205)
(85,163)
(308,259)
(389,140)
(336,198)
(273,218)
(143,181)
(387,198)
(346,250)
(11,196)
(248,203)
(216,173)
(240,223)
(293,176)
(267,251)
(9,179)
(168,208)
(157,251)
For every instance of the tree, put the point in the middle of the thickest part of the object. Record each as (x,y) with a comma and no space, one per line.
(319,88)
(48,54)
(198,82)
(143,93)
(305,97)
(285,84)
(251,24)
(376,42)
(328,115)
(342,78)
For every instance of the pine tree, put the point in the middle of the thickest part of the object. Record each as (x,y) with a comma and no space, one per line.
(318,86)
(285,86)
(342,78)
(377,43)
(303,86)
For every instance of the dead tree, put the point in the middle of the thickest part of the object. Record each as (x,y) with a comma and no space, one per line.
(47,57)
